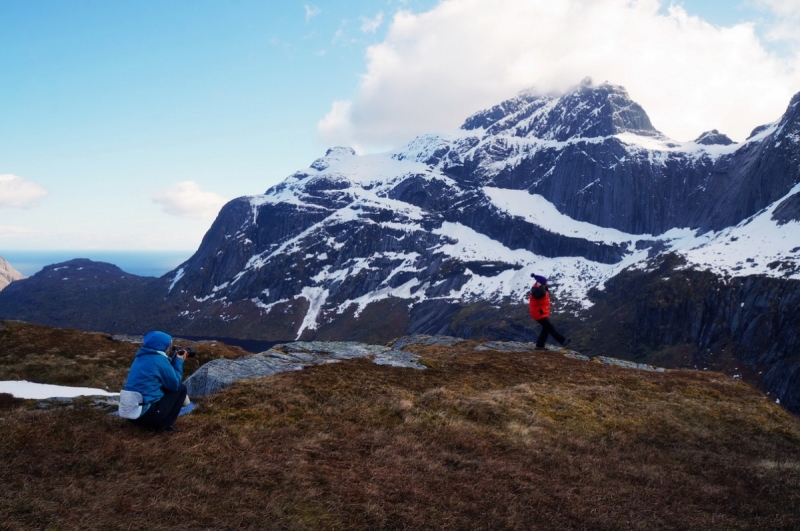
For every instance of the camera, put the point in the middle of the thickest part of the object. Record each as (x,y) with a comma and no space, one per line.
(177,349)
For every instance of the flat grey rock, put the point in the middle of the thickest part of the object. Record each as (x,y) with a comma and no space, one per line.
(221,373)
(340,350)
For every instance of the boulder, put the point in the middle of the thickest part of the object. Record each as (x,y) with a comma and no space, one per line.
(221,373)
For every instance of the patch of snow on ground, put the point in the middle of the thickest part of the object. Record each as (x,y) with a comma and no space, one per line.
(29,390)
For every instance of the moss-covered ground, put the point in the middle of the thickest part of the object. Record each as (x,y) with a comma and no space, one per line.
(479,440)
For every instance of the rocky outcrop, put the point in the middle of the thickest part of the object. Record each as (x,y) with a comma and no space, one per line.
(713,138)
(221,373)
(8,274)
(589,111)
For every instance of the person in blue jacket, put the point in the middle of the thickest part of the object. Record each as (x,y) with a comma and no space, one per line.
(158,379)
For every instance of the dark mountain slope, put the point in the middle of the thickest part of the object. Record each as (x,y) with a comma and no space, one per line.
(441,236)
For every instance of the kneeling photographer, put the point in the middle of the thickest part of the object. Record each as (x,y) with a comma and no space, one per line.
(153,394)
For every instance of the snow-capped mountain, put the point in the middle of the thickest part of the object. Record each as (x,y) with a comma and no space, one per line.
(576,187)
(442,235)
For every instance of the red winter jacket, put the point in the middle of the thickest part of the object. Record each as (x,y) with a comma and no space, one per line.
(539,308)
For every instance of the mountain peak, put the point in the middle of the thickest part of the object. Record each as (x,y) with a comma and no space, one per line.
(334,154)
(714,138)
(586,111)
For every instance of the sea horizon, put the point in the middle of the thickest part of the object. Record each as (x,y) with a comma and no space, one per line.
(135,262)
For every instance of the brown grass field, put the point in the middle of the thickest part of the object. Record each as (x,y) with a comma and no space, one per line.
(479,441)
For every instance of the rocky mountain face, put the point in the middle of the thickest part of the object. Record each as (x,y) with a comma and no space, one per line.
(8,274)
(442,235)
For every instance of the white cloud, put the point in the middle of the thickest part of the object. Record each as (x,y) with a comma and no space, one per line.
(785,25)
(337,121)
(186,200)
(10,231)
(311,11)
(782,8)
(436,68)
(371,25)
(16,192)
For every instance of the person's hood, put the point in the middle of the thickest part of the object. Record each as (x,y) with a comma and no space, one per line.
(540,279)
(155,341)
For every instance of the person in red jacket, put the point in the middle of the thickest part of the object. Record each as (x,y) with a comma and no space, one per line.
(539,308)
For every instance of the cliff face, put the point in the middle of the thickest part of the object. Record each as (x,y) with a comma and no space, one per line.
(611,168)
(675,316)
(442,235)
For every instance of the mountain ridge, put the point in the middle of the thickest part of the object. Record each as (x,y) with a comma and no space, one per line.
(441,235)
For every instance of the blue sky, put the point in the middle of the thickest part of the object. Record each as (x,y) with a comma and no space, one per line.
(107,107)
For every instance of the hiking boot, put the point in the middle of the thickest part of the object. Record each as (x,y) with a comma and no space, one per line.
(168,429)
(540,348)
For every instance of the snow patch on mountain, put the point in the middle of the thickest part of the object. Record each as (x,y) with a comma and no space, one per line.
(759,245)
(371,169)
(573,276)
(178,275)
(661,144)
(537,210)
(316,297)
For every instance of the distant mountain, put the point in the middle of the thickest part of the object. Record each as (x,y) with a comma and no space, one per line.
(683,253)
(580,187)
(8,274)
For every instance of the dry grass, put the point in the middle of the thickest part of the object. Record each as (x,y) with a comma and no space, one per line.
(58,356)
(480,440)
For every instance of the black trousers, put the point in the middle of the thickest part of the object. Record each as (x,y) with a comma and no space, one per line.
(548,330)
(164,412)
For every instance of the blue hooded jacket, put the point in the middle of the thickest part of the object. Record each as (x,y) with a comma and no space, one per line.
(152,371)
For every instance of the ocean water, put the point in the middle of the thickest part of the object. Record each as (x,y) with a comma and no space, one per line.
(142,263)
